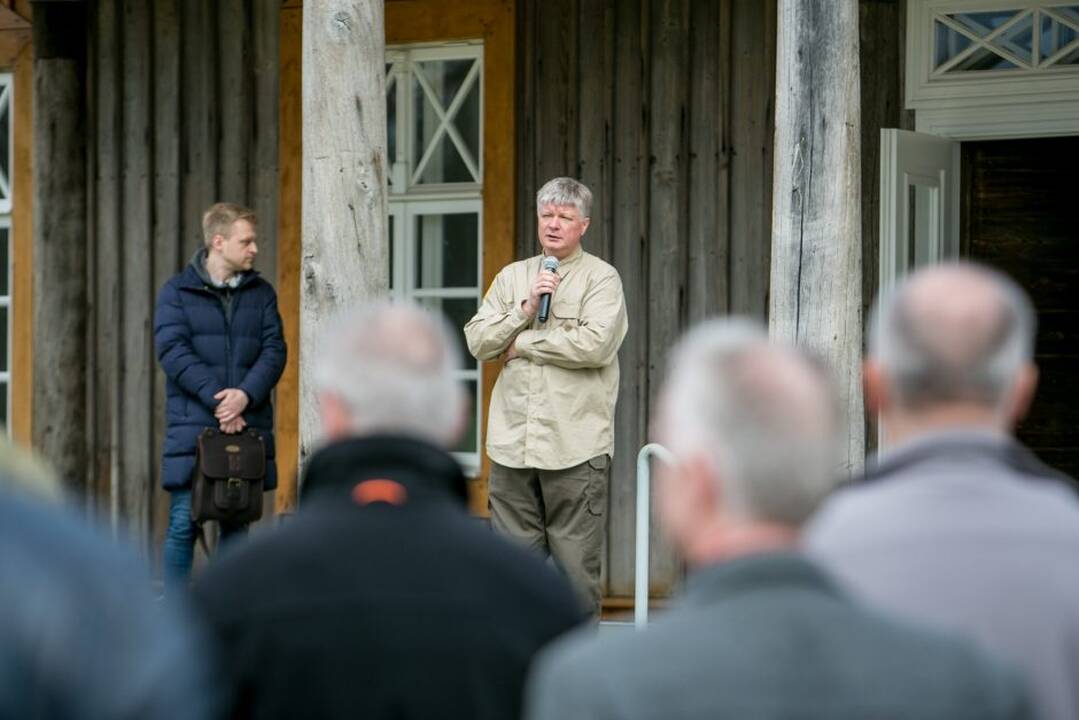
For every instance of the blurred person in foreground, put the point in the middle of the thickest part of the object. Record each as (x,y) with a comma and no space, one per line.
(761,632)
(81,637)
(382,597)
(956,524)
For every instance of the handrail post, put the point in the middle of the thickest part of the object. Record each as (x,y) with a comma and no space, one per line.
(644,502)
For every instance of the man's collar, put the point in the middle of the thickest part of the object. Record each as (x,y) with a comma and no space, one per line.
(422,469)
(962,443)
(712,583)
(571,260)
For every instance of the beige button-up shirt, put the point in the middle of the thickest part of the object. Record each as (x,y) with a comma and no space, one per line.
(553,406)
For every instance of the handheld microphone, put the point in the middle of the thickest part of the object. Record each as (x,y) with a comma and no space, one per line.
(549,263)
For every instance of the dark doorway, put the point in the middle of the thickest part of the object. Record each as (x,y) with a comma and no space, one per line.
(1021,215)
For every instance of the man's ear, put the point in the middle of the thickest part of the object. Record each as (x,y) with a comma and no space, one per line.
(586,222)
(875,387)
(217,241)
(1022,395)
(703,484)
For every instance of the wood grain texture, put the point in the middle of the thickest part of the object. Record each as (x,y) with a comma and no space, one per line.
(22,262)
(168,254)
(345,255)
(290,169)
(138,368)
(59,232)
(675,141)
(1019,217)
(816,282)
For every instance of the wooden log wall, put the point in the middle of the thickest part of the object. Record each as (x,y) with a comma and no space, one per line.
(183,113)
(664,109)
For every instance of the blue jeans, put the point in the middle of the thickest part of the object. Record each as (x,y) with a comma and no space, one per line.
(180,540)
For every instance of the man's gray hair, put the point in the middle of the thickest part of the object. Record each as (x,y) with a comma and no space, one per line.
(768,417)
(393,366)
(565,191)
(958,332)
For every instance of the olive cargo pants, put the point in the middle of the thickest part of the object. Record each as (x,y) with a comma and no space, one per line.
(561,513)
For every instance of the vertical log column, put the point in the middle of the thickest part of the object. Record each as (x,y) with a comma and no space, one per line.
(59,222)
(816,297)
(344,248)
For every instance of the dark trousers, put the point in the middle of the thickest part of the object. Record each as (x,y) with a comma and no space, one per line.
(560,513)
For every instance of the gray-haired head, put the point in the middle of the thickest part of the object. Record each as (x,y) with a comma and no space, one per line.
(767,416)
(565,191)
(392,366)
(958,332)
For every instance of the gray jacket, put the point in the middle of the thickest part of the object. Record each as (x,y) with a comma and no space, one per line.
(968,532)
(769,636)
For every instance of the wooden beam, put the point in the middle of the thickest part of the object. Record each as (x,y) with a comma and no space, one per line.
(22,321)
(59,237)
(345,228)
(290,205)
(816,278)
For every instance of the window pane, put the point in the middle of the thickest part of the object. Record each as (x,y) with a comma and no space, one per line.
(5,269)
(470,442)
(3,403)
(392,266)
(3,339)
(445,77)
(457,312)
(391,126)
(5,137)
(444,164)
(447,250)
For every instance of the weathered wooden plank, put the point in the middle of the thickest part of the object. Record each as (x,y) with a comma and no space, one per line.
(262,158)
(22,238)
(235,105)
(198,128)
(595,101)
(168,254)
(290,169)
(136,274)
(345,254)
(629,229)
(556,76)
(816,282)
(707,232)
(668,195)
(525,243)
(59,232)
(105,270)
(881,107)
(752,92)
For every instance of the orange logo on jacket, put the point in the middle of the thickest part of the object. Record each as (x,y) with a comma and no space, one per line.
(379,490)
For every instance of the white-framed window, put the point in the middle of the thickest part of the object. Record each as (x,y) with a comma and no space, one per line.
(7,90)
(979,69)
(434,104)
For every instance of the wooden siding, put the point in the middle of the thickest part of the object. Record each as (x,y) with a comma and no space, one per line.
(183,112)
(664,109)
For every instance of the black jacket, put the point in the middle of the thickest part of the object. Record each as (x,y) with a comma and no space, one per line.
(382,598)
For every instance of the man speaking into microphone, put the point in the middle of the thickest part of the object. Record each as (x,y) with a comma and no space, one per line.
(556,322)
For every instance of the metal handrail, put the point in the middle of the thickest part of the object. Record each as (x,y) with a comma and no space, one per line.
(644,501)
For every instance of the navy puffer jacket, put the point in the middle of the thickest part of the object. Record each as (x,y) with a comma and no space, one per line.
(208,339)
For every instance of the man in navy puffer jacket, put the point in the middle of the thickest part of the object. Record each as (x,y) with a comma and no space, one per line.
(218,338)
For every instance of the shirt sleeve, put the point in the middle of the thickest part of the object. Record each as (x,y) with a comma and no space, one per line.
(497,322)
(593,342)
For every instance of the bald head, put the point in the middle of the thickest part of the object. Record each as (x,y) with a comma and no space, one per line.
(765,415)
(390,368)
(957,333)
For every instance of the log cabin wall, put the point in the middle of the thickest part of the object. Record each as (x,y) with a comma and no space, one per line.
(183,112)
(664,108)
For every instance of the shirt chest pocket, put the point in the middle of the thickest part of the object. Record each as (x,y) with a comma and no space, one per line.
(566,307)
